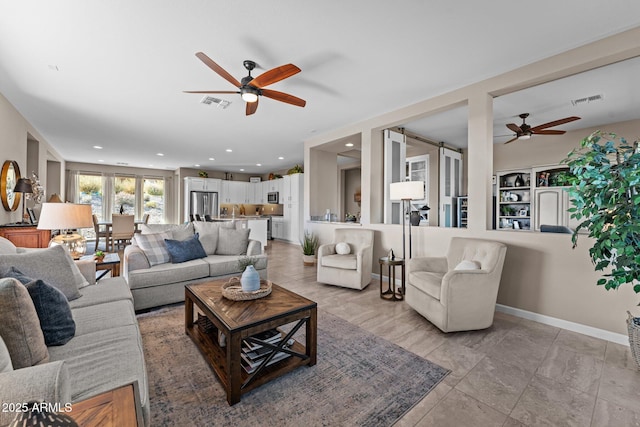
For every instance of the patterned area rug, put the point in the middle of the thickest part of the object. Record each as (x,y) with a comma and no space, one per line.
(359,380)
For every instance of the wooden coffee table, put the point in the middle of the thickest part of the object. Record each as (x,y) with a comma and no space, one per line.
(239,320)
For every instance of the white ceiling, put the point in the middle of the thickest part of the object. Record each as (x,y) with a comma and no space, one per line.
(122,66)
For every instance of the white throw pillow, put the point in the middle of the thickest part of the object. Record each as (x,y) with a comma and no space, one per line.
(343,248)
(468,265)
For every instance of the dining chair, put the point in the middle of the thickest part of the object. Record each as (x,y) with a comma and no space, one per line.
(100,233)
(122,229)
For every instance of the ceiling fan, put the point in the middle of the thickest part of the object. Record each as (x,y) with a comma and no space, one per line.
(524,131)
(251,88)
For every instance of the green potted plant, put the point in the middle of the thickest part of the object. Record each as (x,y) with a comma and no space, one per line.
(604,179)
(295,169)
(98,255)
(309,244)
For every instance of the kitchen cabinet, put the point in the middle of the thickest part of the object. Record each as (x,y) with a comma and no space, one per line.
(277,227)
(202,184)
(235,192)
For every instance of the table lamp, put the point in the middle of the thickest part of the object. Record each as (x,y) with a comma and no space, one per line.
(67,217)
(406,191)
(23,186)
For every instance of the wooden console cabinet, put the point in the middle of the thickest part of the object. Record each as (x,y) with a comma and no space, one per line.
(26,236)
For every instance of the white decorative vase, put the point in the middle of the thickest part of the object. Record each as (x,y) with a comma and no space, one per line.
(250,279)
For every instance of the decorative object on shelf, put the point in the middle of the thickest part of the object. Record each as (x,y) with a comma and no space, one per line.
(605,199)
(99,256)
(415,218)
(233,290)
(406,191)
(121,209)
(349,217)
(55,198)
(519,182)
(309,244)
(203,174)
(295,169)
(391,255)
(23,186)
(357,196)
(67,217)
(37,190)
(10,176)
(32,216)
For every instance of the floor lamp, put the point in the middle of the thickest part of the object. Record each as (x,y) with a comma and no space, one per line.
(406,191)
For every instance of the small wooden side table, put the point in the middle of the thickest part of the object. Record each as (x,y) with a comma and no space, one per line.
(391,293)
(111,262)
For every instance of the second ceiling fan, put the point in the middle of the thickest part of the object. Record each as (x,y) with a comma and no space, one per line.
(251,88)
(524,131)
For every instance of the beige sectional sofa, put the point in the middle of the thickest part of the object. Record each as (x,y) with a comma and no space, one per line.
(158,283)
(104,353)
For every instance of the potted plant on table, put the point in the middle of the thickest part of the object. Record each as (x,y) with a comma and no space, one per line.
(605,192)
(99,256)
(309,244)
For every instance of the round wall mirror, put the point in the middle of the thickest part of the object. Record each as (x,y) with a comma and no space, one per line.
(8,180)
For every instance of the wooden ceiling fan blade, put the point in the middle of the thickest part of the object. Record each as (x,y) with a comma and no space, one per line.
(555,123)
(514,127)
(251,107)
(210,91)
(218,69)
(274,75)
(511,140)
(284,97)
(550,132)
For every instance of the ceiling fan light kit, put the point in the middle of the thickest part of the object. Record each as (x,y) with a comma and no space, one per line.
(525,131)
(250,88)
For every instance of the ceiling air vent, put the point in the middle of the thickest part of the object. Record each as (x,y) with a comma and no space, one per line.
(211,100)
(588,99)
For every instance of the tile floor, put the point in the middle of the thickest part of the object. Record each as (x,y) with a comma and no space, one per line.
(516,373)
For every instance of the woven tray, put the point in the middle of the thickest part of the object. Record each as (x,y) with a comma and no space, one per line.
(233,290)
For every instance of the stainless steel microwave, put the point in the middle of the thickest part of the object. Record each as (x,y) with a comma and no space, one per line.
(273,197)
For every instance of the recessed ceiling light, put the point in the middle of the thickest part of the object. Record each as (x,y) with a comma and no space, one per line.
(53,67)
(280,158)
(102,161)
(197,166)
(211,158)
(228,150)
(258,164)
(349,144)
(241,170)
(97,147)
(160,154)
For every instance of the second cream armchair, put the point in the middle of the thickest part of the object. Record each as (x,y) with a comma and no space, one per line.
(352,270)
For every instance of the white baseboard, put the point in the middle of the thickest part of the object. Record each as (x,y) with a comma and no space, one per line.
(564,324)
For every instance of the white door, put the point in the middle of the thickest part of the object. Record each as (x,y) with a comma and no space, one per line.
(418,170)
(395,170)
(450,184)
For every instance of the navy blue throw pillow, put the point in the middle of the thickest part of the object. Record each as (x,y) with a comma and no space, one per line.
(56,320)
(185,250)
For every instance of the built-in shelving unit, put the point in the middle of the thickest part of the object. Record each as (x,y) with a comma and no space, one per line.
(463,206)
(513,210)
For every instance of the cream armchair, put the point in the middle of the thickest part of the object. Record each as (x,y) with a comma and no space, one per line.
(352,270)
(457,292)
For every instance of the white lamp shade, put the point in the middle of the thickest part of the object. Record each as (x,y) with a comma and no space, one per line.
(407,190)
(64,216)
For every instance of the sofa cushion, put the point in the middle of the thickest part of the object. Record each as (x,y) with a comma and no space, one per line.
(345,262)
(163,274)
(209,233)
(53,265)
(53,311)
(177,231)
(185,250)
(154,247)
(232,241)
(7,246)
(223,265)
(427,282)
(108,290)
(105,316)
(19,325)
(466,264)
(115,352)
(5,358)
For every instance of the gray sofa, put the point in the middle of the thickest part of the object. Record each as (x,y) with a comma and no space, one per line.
(104,353)
(155,284)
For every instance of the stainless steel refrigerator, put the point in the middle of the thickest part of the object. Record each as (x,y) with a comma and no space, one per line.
(202,203)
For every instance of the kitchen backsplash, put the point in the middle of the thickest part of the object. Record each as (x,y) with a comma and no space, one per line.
(249,209)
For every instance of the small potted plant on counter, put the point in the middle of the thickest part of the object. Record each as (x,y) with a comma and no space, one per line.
(309,244)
